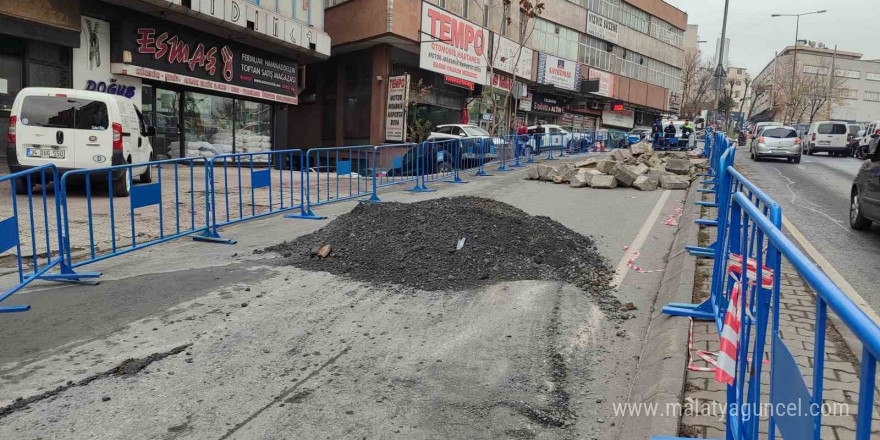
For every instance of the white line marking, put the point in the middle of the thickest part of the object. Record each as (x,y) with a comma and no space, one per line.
(829,270)
(650,222)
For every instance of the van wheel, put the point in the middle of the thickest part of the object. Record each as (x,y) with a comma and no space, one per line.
(809,150)
(121,186)
(21,186)
(147,176)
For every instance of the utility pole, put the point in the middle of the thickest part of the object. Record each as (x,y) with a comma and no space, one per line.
(830,93)
(720,73)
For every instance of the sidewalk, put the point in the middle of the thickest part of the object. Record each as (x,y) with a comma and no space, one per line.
(796,323)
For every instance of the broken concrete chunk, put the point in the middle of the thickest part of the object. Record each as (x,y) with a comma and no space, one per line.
(644,183)
(653,161)
(543,170)
(640,169)
(324,251)
(625,174)
(678,166)
(532,174)
(606,166)
(671,181)
(579,181)
(603,181)
(587,163)
(640,148)
(700,163)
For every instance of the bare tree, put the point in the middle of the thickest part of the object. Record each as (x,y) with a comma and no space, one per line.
(696,83)
(758,90)
(747,81)
(825,91)
(529,12)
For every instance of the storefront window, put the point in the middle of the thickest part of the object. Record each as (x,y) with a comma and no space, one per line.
(207,122)
(253,127)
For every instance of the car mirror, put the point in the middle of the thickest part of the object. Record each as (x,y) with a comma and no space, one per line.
(151,131)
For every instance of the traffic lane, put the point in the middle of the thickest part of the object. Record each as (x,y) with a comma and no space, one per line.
(814,195)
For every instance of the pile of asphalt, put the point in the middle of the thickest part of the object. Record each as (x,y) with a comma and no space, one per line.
(415,245)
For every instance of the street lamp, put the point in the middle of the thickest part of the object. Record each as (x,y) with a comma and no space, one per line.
(794,62)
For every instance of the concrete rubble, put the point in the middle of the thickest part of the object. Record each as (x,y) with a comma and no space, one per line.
(638,167)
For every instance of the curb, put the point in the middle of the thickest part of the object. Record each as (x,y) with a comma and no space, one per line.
(660,375)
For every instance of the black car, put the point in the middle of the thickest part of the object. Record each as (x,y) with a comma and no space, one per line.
(865,197)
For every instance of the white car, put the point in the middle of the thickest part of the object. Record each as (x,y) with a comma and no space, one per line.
(828,136)
(777,142)
(462,131)
(554,136)
(77,129)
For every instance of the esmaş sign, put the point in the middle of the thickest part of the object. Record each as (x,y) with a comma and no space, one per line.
(601,27)
(562,73)
(166,52)
(395,109)
(504,57)
(452,45)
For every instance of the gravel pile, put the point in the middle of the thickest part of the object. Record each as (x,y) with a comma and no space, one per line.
(414,245)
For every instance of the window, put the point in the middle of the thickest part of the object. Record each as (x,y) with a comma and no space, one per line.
(442,4)
(504,18)
(831,129)
(60,112)
(847,93)
(594,52)
(780,133)
(253,127)
(872,96)
(555,40)
(464,8)
(666,32)
(870,76)
(635,18)
(471,130)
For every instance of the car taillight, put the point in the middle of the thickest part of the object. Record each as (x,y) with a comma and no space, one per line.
(11,131)
(814,137)
(761,140)
(877,132)
(797,140)
(117,136)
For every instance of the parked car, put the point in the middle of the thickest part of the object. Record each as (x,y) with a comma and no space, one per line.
(637,134)
(470,153)
(778,142)
(865,194)
(854,130)
(757,127)
(861,151)
(852,147)
(827,136)
(77,129)
(554,135)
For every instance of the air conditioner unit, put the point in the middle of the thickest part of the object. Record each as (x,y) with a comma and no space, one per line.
(595,105)
(557,30)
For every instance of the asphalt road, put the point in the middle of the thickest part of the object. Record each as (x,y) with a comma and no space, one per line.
(239,347)
(814,195)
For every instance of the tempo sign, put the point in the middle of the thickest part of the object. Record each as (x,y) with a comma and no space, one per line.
(395,110)
(456,47)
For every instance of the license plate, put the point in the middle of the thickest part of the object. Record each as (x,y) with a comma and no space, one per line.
(824,142)
(45,153)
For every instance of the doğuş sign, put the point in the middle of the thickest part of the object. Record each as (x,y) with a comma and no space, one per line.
(456,46)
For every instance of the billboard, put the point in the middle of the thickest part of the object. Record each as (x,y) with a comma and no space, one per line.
(454,46)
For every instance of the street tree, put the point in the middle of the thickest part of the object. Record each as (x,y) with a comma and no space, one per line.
(696,83)
(758,91)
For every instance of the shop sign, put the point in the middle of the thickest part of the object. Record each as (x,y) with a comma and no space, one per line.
(63,14)
(525,103)
(455,46)
(601,27)
(504,53)
(547,104)
(488,117)
(606,82)
(395,110)
(502,82)
(601,134)
(562,73)
(453,81)
(165,52)
(624,118)
(91,63)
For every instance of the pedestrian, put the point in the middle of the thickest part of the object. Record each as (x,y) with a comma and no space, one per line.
(669,131)
(687,129)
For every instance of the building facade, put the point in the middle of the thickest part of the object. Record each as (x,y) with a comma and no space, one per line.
(738,77)
(212,76)
(859,93)
(585,64)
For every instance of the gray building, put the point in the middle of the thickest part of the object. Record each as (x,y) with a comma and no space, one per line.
(859,92)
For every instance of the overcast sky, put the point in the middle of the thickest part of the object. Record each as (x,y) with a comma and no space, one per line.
(853,25)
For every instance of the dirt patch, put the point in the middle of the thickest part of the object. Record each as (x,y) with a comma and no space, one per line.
(417,245)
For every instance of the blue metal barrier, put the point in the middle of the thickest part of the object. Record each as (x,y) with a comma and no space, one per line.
(32,229)
(144,218)
(245,186)
(440,161)
(340,173)
(399,164)
(505,147)
(475,152)
(525,150)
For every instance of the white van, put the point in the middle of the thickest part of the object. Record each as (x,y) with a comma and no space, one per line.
(77,129)
(827,136)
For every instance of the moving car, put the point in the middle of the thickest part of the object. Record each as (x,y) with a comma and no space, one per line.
(865,194)
(778,142)
(77,129)
(757,127)
(827,136)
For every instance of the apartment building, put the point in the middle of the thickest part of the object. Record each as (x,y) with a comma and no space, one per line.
(859,98)
(586,64)
(737,81)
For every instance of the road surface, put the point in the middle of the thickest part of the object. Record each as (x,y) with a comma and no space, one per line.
(814,195)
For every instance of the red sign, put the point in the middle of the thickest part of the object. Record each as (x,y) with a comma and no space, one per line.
(618,107)
(178,51)
(453,81)
(502,82)
(452,45)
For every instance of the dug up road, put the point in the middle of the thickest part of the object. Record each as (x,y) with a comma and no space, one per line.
(208,341)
